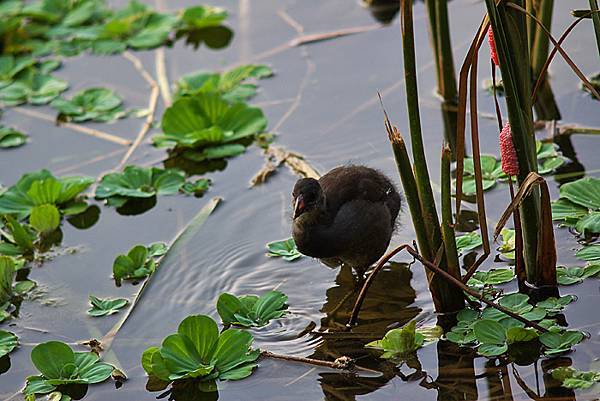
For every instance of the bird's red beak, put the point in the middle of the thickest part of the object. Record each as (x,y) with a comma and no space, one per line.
(299,206)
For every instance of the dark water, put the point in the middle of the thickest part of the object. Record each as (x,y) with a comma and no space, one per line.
(321,103)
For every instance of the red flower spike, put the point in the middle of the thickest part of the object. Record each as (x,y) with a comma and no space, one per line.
(492,44)
(508,154)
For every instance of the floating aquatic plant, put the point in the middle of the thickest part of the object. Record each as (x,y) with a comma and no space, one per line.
(198,351)
(285,248)
(491,170)
(39,189)
(507,247)
(579,205)
(96,104)
(204,24)
(468,242)
(493,331)
(138,263)
(400,344)
(231,85)
(138,182)
(575,379)
(16,239)
(10,290)
(105,307)
(590,253)
(59,365)
(251,310)
(491,277)
(11,138)
(34,88)
(576,275)
(8,342)
(206,127)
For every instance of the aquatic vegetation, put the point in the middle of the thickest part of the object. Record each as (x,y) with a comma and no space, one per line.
(39,188)
(34,88)
(59,365)
(576,275)
(206,126)
(138,183)
(203,24)
(96,104)
(251,310)
(468,242)
(11,66)
(196,188)
(198,351)
(16,239)
(11,138)
(10,290)
(579,205)
(491,277)
(8,342)
(576,379)
(231,85)
(491,170)
(139,262)
(507,247)
(399,343)
(285,248)
(105,307)
(595,81)
(494,331)
(590,253)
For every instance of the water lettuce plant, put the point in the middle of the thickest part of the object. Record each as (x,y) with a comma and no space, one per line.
(198,351)
(206,126)
(575,379)
(491,170)
(285,248)
(11,138)
(507,247)
(399,344)
(591,253)
(138,182)
(231,85)
(494,331)
(11,66)
(251,310)
(138,263)
(576,275)
(468,242)
(579,205)
(96,104)
(491,277)
(105,307)
(39,188)
(59,364)
(204,24)
(16,239)
(34,88)
(8,342)
(11,290)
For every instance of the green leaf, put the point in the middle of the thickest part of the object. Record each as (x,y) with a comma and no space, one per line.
(38,188)
(584,192)
(520,334)
(489,332)
(203,16)
(203,333)
(206,120)
(97,104)
(400,341)
(157,249)
(251,311)
(468,242)
(197,188)
(556,343)
(492,277)
(575,379)
(50,358)
(138,263)
(140,182)
(589,253)
(284,248)
(507,248)
(233,350)
(491,350)
(11,138)
(7,276)
(44,218)
(105,307)
(563,209)
(8,342)
(589,224)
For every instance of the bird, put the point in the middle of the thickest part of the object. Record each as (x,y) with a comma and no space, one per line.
(347,216)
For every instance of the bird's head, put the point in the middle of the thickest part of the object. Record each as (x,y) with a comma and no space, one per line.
(307,196)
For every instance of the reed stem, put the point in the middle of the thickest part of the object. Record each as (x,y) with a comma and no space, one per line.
(596,21)
(429,212)
(510,32)
(447,221)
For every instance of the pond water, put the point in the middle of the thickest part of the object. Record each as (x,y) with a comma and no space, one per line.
(321,103)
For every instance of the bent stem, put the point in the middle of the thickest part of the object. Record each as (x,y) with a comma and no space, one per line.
(451,280)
